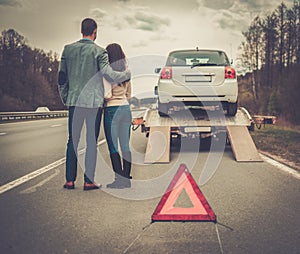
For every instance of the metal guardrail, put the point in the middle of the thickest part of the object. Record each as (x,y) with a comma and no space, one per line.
(18,116)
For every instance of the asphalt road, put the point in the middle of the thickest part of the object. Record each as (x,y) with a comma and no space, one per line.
(257,205)
(27,146)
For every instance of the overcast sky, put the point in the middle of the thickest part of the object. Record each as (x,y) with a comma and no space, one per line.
(142,27)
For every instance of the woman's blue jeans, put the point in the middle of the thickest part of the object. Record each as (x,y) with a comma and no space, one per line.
(117,123)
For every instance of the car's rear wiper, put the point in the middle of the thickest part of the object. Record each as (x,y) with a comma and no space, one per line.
(203,64)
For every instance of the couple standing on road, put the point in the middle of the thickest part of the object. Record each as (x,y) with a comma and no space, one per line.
(84,68)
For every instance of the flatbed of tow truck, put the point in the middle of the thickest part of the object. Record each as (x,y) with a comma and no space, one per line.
(201,124)
(187,122)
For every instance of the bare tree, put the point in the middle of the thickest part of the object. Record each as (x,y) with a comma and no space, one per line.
(281,13)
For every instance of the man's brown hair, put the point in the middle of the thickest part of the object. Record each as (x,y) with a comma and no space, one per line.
(88,26)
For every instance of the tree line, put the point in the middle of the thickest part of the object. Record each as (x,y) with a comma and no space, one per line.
(271,51)
(28,76)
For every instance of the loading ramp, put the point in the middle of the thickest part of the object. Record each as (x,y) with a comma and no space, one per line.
(242,144)
(158,146)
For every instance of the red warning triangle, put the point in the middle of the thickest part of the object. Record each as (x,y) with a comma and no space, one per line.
(165,210)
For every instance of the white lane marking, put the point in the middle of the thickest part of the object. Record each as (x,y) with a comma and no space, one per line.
(55,125)
(30,176)
(281,166)
(137,238)
(2,133)
(219,239)
(38,172)
(40,184)
(34,121)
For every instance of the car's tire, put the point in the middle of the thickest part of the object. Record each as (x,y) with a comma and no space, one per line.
(232,109)
(163,109)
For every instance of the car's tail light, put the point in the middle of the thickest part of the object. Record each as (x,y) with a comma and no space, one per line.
(166,73)
(229,72)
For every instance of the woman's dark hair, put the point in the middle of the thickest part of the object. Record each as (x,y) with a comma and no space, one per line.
(116,57)
(88,26)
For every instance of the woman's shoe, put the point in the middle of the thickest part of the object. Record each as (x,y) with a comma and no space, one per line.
(117,167)
(126,183)
(116,184)
(120,182)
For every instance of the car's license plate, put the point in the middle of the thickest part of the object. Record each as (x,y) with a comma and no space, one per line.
(197,78)
(197,129)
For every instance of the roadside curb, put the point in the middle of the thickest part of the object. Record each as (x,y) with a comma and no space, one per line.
(280,160)
(280,165)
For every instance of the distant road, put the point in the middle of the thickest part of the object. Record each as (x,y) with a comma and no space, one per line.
(27,146)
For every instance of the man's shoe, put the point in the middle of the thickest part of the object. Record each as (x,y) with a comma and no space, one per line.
(90,186)
(69,185)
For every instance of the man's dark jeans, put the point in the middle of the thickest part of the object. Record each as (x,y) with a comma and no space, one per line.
(92,119)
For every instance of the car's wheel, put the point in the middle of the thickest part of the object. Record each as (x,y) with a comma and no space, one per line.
(163,109)
(232,109)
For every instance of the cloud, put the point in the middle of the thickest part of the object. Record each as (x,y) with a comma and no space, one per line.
(97,13)
(241,12)
(253,6)
(260,5)
(234,15)
(137,17)
(163,36)
(118,24)
(230,21)
(216,4)
(10,3)
(146,21)
(140,44)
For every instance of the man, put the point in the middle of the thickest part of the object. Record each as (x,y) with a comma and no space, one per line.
(83,63)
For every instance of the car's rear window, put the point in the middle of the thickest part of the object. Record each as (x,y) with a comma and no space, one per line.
(200,57)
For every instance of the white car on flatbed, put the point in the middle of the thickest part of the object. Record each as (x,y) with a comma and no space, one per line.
(197,77)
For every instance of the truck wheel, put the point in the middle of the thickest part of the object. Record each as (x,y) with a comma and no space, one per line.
(163,109)
(232,109)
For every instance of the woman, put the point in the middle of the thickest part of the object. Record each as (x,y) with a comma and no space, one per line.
(117,120)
